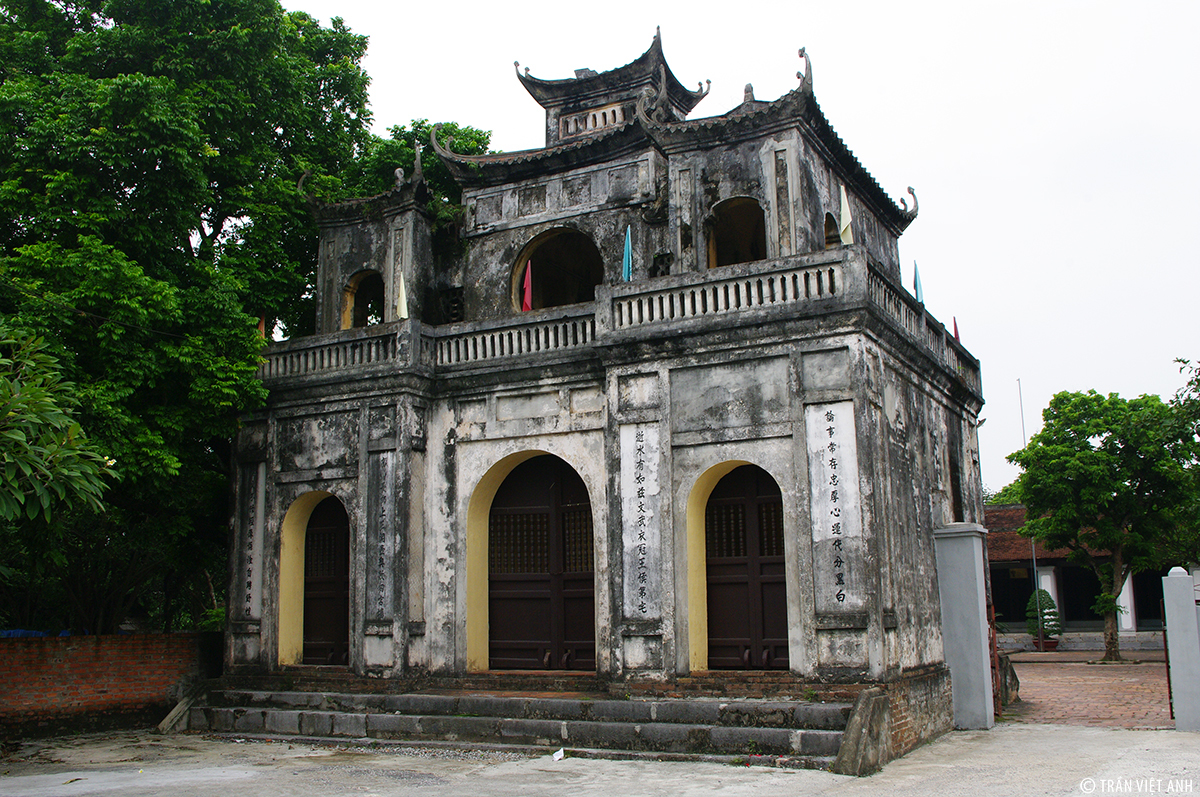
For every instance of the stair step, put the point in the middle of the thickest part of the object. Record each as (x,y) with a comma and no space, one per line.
(678,737)
(708,711)
(768,717)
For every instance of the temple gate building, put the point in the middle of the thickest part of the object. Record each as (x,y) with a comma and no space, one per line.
(671,412)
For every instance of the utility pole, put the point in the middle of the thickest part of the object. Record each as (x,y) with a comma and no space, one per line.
(1041,642)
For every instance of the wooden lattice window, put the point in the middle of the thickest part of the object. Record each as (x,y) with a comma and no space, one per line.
(725,526)
(520,542)
(577,541)
(770,529)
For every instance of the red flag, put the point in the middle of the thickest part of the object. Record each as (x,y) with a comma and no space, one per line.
(527,293)
(956,328)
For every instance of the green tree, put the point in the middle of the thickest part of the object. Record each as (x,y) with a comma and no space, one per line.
(1008,494)
(1185,546)
(152,217)
(374,172)
(1108,480)
(47,460)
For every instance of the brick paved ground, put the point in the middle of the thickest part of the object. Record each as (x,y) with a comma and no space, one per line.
(1063,689)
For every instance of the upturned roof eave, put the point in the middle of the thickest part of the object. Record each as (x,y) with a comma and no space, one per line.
(490,170)
(641,71)
(799,109)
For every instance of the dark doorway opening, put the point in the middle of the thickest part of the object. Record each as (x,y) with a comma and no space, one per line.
(747,600)
(564,267)
(738,233)
(363,300)
(327,585)
(541,601)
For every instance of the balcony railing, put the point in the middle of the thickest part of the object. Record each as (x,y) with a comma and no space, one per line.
(717,293)
(567,328)
(923,328)
(379,346)
(754,292)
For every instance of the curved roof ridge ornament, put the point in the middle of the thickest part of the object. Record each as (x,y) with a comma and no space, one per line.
(653,104)
(443,152)
(418,172)
(910,214)
(805,77)
(517,66)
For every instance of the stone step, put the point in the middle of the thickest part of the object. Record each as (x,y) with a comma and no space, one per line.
(339,679)
(808,733)
(707,711)
(669,737)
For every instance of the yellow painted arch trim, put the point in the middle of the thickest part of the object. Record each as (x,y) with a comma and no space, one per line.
(697,570)
(478,511)
(291,576)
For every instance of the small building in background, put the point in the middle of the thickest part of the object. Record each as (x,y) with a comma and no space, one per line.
(1074,588)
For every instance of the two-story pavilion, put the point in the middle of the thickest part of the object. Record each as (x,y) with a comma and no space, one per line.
(672,411)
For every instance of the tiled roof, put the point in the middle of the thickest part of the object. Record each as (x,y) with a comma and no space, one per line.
(1004,542)
(641,71)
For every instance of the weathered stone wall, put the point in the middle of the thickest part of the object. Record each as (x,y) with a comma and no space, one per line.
(792,183)
(908,423)
(389,234)
(412,438)
(598,201)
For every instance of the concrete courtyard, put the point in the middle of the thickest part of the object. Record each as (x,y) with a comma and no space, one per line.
(1080,729)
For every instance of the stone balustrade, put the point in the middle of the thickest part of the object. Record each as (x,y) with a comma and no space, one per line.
(367,348)
(751,293)
(534,333)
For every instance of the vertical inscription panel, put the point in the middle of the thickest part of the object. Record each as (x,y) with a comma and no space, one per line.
(641,516)
(381,536)
(249,575)
(839,558)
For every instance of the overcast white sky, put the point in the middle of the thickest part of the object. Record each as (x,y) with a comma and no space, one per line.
(1053,147)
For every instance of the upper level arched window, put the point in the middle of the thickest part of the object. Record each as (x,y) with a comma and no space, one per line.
(362,300)
(738,233)
(560,266)
(833,235)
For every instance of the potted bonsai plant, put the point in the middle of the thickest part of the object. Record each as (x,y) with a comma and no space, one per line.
(1045,634)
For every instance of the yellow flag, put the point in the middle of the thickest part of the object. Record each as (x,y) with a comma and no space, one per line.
(844,231)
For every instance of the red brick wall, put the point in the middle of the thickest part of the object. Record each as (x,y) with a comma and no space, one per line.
(51,679)
(921,708)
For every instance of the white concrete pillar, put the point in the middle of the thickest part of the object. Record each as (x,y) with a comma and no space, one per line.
(1126,611)
(1183,646)
(1046,580)
(962,588)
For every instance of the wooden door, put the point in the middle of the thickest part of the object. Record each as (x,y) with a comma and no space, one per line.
(541,604)
(327,585)
(747,602)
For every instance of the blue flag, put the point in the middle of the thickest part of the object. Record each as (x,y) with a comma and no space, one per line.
(627,263)
(917,284)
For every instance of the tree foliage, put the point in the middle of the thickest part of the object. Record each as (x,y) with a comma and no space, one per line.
(1108,479)
(1008,494)
(48,462)
(151,217)
(374,172)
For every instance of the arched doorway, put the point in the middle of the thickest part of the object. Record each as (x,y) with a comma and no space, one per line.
(743,544)
(560,266)
(738,233)
(541,579)
(327,585)
(363,300)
